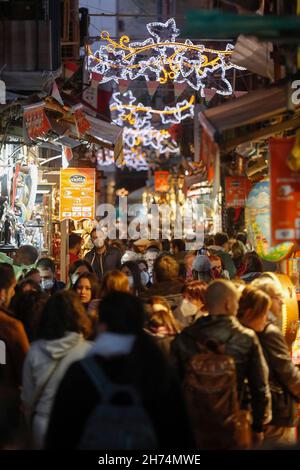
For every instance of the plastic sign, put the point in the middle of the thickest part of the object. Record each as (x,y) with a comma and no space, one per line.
(77,194)
(237,189)
(285,192)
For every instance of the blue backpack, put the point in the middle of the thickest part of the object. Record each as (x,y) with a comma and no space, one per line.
(113,426)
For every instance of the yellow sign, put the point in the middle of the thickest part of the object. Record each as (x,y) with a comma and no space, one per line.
(77,194)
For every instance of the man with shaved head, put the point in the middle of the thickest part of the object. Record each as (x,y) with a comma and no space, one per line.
(240,343)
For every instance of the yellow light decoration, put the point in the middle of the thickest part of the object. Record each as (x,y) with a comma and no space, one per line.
(139,116)
(170,60)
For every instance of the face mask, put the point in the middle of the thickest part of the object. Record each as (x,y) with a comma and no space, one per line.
(47,284)
(131,281)
(188,309)
(99,242)
(74,278)
(145,278)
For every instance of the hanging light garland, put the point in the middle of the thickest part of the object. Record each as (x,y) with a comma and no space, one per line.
(159,140)
(162,58)
(139,116)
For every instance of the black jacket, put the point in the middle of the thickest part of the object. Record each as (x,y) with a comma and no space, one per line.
(147,369)
(284,376)
(241,344)
(101,264)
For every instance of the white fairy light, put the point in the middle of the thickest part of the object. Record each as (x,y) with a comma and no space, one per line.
(161,58)
(158,140)
(139,116)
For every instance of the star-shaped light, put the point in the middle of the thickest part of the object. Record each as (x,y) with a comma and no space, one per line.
(164,32)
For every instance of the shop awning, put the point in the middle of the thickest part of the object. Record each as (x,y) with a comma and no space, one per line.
(109,135)
(244,116)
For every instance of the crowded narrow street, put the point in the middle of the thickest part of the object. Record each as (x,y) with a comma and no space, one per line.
(149,230)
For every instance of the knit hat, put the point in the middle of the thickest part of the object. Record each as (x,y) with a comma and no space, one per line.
(201,264)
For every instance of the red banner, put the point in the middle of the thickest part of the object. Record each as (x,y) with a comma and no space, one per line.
(236,191)
(161,181)
(285,193)
(36,122)
(82,124)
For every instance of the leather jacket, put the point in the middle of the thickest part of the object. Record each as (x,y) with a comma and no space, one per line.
(243,346)
(284,376)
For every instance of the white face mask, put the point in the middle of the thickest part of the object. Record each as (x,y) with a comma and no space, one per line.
(188,309)
(74,278)
(99,242)
(145,278)
(131,281)
(47,284)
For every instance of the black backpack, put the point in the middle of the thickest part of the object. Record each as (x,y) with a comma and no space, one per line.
(113,426)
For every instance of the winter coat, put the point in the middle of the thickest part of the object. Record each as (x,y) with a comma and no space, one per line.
(48,358)
(284,377)
(15,346)
(102,263)
(242,345)
(144,367)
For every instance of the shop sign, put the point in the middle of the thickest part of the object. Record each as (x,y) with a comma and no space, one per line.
(285,193)
(77,193)
(237,189)
(161,181)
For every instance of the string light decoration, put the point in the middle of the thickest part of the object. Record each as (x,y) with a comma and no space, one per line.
(134,158)
(162,58)
(139,116)
(159,140)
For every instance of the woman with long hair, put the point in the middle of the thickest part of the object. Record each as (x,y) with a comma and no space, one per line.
(88,289)
(284,376)
(76,269)
(62,335)
(132,271)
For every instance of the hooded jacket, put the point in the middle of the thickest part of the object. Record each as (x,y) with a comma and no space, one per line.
(44,367)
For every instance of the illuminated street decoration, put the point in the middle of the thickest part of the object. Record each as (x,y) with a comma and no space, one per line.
(159,140)
(139,116)
(134,158)
(162,58)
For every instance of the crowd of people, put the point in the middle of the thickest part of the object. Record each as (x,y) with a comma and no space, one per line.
(146,346)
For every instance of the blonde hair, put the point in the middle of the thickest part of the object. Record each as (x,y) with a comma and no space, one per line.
(114,281)
(268,285)
(160,315)
(253,304)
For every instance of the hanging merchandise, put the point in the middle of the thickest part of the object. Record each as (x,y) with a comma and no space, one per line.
(236,191)
(82,124)
(285,192)
(67,156)
(35,121)
(162,58)
(161,181)
(56,94)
